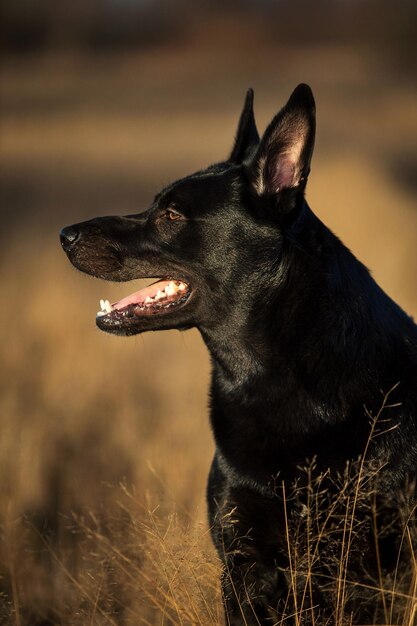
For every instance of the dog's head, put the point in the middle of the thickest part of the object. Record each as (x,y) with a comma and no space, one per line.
(213,240)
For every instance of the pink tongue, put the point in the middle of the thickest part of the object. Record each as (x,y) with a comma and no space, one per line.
(140,296)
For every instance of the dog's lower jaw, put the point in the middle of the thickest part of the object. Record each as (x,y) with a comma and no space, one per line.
(131,317)
(154,323)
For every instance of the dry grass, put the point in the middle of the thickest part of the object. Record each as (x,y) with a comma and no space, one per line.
(65,449)
(105,444)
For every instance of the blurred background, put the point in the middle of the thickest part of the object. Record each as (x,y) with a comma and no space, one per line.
(105,444)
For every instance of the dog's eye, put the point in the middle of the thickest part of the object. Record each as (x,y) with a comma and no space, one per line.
(173,215)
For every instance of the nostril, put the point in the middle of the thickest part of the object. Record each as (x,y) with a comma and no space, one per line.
(69,236)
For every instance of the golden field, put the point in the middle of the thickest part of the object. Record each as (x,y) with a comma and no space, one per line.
(105,444)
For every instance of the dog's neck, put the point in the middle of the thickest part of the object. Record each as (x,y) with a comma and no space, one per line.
(324,294)
(298,305)
(268,370)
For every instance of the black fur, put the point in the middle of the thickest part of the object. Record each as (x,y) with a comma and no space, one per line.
(304,346)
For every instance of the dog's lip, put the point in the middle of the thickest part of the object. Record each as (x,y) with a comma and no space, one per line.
(160,297)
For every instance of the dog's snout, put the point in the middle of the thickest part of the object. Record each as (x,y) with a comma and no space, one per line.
(69,236)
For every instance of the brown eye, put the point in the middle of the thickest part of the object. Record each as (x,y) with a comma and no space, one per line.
(173,215)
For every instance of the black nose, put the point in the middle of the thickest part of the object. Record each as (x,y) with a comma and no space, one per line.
(69,236)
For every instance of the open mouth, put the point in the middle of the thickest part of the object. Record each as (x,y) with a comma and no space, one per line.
(161,297)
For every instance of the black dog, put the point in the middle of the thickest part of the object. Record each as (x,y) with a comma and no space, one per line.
(306,484)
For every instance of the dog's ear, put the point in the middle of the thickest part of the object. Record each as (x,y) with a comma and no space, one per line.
(247,137)
(282,160)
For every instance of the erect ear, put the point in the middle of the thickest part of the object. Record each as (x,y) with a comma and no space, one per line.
(247,136)
(282,160)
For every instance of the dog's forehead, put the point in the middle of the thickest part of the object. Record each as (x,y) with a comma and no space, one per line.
(213,186)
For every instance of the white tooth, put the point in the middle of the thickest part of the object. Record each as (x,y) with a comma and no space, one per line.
(182,287)
(101,313)
(159,295)
(148,300)
(107,306)
(102,305)
(171,289)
